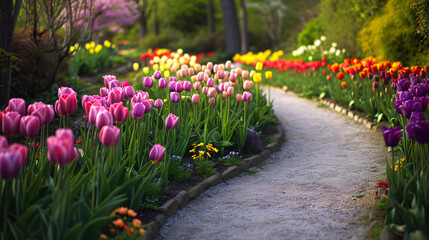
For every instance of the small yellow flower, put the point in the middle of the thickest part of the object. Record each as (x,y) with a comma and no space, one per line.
(113,46)
(87,46)
(268,75)
(92,44)
(107,44)
(98,48)
(146,70)
(257,77)
(201,152)
(71,48)
(208,154)
(91,51)
(396,167)
(192,150)
(258,66)
(136,66)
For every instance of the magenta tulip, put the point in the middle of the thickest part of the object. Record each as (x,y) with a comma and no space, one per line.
(11,123)
(157,153)
(162,83)
(109,135)
(3,142)
(147,105)
(107,79)
(93,111)
(125,84)
(116,95)
(205,90)
(158,103)
(210,82)
(17,105)
(175,97)
(148,82)
(114,84)
(246,96)
(22,150)
(11,160)
(187,86)
(197,86)
(85,99)
(157,74)
(171,121)
(104,117)
(64,90)
(44,112)
(138,111)
(89,105)
(179,86)
(29,126)
(211,101)
(60,147)
(119,112)
(195,98)
(104,92)
(129,92)
(67,104)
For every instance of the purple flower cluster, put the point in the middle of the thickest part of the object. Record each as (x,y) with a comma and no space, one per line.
(253,140)
(412,101)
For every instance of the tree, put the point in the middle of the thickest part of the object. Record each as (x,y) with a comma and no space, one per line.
(210,17)
(244,34)
(232,31)
(9,13)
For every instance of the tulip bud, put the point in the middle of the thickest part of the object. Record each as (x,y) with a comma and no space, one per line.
(175,97)
(257,77)
(116,95)
(195,98)
(60,147)
(228,64)
(104,92)
(171,121)
(148,82)
(67,104)
(17,105)
(197,86)
(246,96)
(211,101)
(187,86)
(156,75)
(258,66)
(29,126)
(107,79)
(128,92)
(233,77)
(183,73)
(179,86)
(109,135)
(226,77)
(268,75)
(210,65)
(103,118)
(200,76)
(157,153)
(125,84)
(11,123)
(208,72)
(220,74)
(158,103)
(162,83)
(138,111)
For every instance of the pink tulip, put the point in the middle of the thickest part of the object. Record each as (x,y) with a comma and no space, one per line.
(191,71)
(109,135)
(195,98)
(187,86)
(60,147)
(17,105)
(220,74)
(245,74)
(205,90)
(157,153)
(29,126)
(228,64)
(247,85)
(147,105)
(64,90)
(224,94)
(210,82)
(171,121)
(200,76)
(104,118)
(211,101)
(119,112)
(183,73)
(230,91)
(116,95)
(44,112)
(210,65)
(138,111)
(175,97)
(233,77)
(93,111)
(11,160)
(162,83)
(91,103)
(107,79)
(179,87)
(148,82)
(86,98)
(172,86)
(104,92)
(114,84)
(211,93)
(128,92)
(226,74)
(67,104)
(11,123)
(239,97)
(197,86)
(157,74)
(158,103)
(125,84)
(238,71)
(246,96)
(3,142)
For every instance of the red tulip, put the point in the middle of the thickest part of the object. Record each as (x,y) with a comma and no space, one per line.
(157,153)
(29,126)
(171,121)
(109,135)
(17,105)
(10,124)
(119,112)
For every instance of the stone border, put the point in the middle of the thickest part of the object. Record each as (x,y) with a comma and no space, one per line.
(184,197)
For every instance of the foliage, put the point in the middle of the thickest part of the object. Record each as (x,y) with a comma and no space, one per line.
(232,159)
(205,167)
(312,31)
(179,171)
(422,16)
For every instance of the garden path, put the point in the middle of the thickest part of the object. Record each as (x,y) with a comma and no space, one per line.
(307,190)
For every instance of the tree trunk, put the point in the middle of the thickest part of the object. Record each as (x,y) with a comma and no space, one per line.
(143,20)
(210,17)
(232,31)
(244,38)
(157,23)
(8,17)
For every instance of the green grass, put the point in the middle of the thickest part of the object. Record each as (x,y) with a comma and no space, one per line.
(322,105)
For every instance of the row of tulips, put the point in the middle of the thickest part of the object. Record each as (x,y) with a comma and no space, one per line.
(58,188)
(398,97)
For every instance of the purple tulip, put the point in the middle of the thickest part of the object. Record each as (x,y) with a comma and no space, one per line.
(104,118)
(157,153)
(129,92)
(403,84)
(162,83)
(3,142)
(107,79)
(11,160)
(172,86)
(158,103)
(417,116)
(29,126)
(114,84)
(148,82)
(171,121)
(187,86)
(415,80)
(175,97)
(109,135)
(404,96)
(138,111)
(172,79)
(210,82)
(392,136)
(246,96)
(147,105)
(157,74)
(10,123)
(406,108)
(104,92)
(419,131)
(179,87)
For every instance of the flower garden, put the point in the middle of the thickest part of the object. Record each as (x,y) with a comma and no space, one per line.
(96,159)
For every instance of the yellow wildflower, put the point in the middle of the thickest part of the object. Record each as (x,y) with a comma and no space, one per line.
(107,44)
(98,48)
(91,51)
(113,46)
(87,46)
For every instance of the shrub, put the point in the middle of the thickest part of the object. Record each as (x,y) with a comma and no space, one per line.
(312,31)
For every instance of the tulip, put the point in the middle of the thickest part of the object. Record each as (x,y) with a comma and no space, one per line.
(403,84)
(420,90)
(392,136)
(244,74)
(64,90)
(418,130)
(175,97)
(211,92)
(212,101)
(220,74)
(183,73)
(172,86)
(374,86)
(268,75)
(128,92)
(107,79)
(148,82)
(114,84)
(226,73)
(246,96)
(147,105)
(340,75)
(125,84)
(247,85)
(135,66)
(104,92)
(191,72)
(232,77)
(228,64)
(67,104)
(200,76)
(116,95)
(197,86)
(11,123)
(162,83)
(22,150)
(145,70)
(210,65)
(29,126)
(17,105)
(172,79)
(103,118)
(205,90)
(415,80)
(158,103)
(109,135)
(239,97)
(138,111)
(258,66)
(157,153)
(44,112)
(187,86)
(60,147)
(230,91)
(3,142)
(406,108)
(119,112)
(179,86)
(210,82)
(166,73)
(328,78)
(171,121)
(195,98)
(157,74)
(11,161)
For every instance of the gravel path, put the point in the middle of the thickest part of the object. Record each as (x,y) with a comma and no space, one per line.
(306,191)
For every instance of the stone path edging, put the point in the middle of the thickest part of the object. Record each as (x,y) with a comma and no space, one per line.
(184,197)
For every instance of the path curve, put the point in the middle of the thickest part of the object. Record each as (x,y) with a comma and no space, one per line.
(307,190)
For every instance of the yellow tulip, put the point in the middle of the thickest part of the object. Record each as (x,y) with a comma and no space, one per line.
(259,66)
(167,74)
(87,46)
(161,67)
(91,51)
(156,59)
(107,44)
(98,48)
(257,77)
(136,66)
(146,70)
(92,44)
(268,75)
(155,67)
